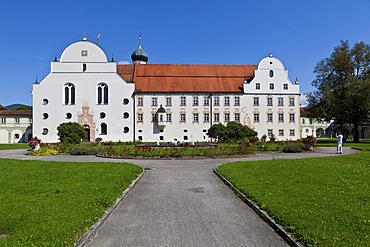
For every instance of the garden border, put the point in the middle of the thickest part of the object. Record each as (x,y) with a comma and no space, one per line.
(91,232)
(279,229)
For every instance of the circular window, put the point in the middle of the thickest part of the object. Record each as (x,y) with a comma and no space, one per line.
(185,130)
(126,101)
(68,115)
(45,116)
(204,130)
(45,131)
(45,101)
(126,115)
(102,115)
(126,129)
(140,131)
(161,131)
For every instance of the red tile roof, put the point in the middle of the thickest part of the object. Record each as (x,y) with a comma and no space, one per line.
(16,112)
(2,107)
(187,78)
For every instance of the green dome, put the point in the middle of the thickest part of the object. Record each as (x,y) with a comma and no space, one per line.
(139,55)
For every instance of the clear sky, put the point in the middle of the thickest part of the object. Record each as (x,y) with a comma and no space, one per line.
(299,33)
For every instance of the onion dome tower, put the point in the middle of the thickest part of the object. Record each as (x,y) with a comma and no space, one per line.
(139,55)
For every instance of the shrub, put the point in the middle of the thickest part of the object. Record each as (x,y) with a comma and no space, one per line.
(71,132)
(293,148)
(83,150)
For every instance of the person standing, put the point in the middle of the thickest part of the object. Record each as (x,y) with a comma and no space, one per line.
(339,143)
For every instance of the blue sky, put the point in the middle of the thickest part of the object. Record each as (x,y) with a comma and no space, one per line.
(300,33)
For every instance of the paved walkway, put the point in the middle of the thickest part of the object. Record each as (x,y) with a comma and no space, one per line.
(182,203)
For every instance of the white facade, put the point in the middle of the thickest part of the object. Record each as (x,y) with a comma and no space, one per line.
(272,101)
(84,87)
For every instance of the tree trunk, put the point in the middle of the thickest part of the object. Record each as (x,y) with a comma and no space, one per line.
(356,137)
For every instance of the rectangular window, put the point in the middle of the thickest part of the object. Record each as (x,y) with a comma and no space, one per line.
(285,86)
(154,117)
(269,101)
(281,132)
(227,100)
(3,120)
(281,117)
(227,117)
(154,101)
(195,117)
(182,117)
(206,100)
(269,117)
(307,130)
(256,117)
(168,117)
(291,117)
(291,101)
(140,101)
(255,101)
(258,86)
(206,117)
(237,117)
(217,117)
(140,117)
(237,101)
(272,86)
(16,120)
(291,132)
(269,132)
(168,101)
(216,100)
(183,100)
(195,101)
(280,101)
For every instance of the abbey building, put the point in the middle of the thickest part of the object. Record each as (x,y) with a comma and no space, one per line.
(162,102)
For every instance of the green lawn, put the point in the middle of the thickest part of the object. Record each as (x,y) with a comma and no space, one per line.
(54,203)
(321,201)
(14,146)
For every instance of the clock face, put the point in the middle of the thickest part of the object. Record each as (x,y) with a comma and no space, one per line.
(84,53)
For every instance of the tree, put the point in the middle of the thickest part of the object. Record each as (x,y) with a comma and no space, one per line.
(343,86)
(71,132)
(232,132)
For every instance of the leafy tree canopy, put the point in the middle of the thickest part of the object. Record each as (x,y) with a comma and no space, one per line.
(232,132)
(343,86)
(71,132)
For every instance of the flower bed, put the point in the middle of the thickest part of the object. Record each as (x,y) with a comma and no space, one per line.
(243,148)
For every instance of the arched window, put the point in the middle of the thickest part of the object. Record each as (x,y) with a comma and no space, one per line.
(69,94)
(102,91)
(103,129)
(271,73)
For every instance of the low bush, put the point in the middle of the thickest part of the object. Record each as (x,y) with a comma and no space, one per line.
(83,150)
(293,148)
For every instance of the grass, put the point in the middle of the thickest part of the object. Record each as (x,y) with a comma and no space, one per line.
(321,201)
(14,146)
(54,203)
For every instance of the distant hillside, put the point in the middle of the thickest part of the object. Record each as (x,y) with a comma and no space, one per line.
(14,106)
